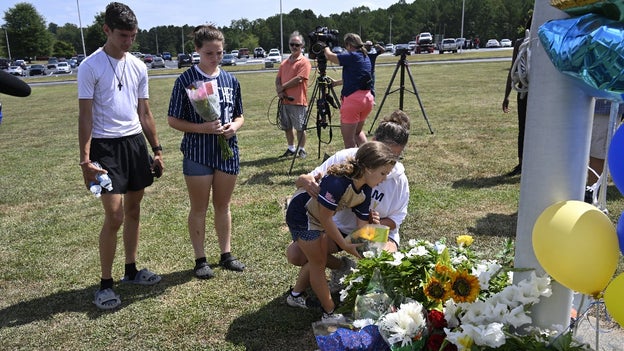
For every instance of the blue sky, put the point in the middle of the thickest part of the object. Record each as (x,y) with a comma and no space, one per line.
(192,12)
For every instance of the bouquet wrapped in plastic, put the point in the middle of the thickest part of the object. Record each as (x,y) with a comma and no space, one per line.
(373,237)
(204,97)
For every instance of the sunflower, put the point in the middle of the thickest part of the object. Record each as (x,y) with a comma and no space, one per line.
(463,287)
(435,291)
(443,271)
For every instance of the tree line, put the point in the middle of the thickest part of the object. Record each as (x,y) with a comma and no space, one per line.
(30,36)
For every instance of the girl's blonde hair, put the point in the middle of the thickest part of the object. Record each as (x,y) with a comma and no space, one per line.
(355,41)
(370,155)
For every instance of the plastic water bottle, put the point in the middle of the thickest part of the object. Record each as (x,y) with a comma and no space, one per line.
(95,189)
(103,181)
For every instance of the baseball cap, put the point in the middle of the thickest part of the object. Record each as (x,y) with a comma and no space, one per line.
(368,42)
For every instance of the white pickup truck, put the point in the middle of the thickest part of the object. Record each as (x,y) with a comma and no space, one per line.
(448,44)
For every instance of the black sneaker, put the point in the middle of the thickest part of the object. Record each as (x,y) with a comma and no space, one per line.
(302,153)
(288,153)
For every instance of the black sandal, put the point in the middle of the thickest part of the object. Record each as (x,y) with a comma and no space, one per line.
(203,271)
(233,264)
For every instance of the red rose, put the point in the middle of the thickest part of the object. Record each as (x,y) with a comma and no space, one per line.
(436,319)
(434,342)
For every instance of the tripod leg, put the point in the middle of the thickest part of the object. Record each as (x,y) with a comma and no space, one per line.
(388,92)
(422,108)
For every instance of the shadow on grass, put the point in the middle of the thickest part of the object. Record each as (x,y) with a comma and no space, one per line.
(275,326)
(44,308)
(496,224)
(487,182)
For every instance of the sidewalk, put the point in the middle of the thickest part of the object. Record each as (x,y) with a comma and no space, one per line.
(610,334)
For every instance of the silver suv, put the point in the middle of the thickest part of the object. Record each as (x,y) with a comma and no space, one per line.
(448,44)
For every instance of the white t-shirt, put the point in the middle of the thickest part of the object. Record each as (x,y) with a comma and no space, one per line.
(114,110)
(390,198)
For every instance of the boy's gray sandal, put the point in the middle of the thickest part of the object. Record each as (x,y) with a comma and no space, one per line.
(106,299)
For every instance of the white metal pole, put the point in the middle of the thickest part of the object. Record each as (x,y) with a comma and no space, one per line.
(390,30)
(554,163)
(461,35)
(84,50)
(281,31)
(6,34)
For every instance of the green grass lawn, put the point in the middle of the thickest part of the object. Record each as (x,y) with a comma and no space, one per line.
(49,222)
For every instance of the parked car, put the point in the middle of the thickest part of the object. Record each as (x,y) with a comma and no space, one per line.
(52,61)
(37,70)
(20,63)
(234,52)
(157,62)
(62,67)
(73,62)
(492,43)
(15,70)
(148,58)
(4,63)
(184,60)
(195,58)
(79,58)
(259,52)
(399,49)
(389,47)
(505,43)
(448,44)
(411,45)
(243,53)
(274,57)
(166,56)
(228,60)
(461,43)
(274,50)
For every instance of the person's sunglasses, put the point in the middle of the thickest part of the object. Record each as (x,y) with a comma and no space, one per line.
(295,45)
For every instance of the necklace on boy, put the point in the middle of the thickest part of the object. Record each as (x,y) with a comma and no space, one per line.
(123,74)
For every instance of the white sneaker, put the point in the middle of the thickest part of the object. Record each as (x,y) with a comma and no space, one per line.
(297,301)
(335,284)
(333,318)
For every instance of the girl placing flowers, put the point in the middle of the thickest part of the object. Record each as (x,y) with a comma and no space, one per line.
(346,186)
(209,114)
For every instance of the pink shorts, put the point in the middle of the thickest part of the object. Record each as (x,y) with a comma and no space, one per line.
(356,107)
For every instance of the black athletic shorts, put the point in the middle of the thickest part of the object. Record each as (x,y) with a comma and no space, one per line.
(127,161)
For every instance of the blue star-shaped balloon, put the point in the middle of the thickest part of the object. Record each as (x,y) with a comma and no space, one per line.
(590,49)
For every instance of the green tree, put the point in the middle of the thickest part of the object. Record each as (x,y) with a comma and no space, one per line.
(94,35)
(63,49)
(27,32)
(70,33)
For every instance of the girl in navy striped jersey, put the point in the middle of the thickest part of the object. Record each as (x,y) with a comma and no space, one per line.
(204,167)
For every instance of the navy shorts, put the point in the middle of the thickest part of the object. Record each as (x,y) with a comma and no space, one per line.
(127,161)
(305,235)
(192,168)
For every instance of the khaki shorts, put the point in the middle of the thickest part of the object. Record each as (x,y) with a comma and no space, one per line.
(292,117)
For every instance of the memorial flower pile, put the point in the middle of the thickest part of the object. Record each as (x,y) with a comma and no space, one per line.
(444,299)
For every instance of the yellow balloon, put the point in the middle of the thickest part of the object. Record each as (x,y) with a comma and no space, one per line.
(577,245)
(613,299)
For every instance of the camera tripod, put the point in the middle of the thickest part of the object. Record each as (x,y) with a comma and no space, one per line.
(324,96)
(403,64)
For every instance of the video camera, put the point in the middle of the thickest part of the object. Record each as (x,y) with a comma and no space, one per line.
(319,38)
